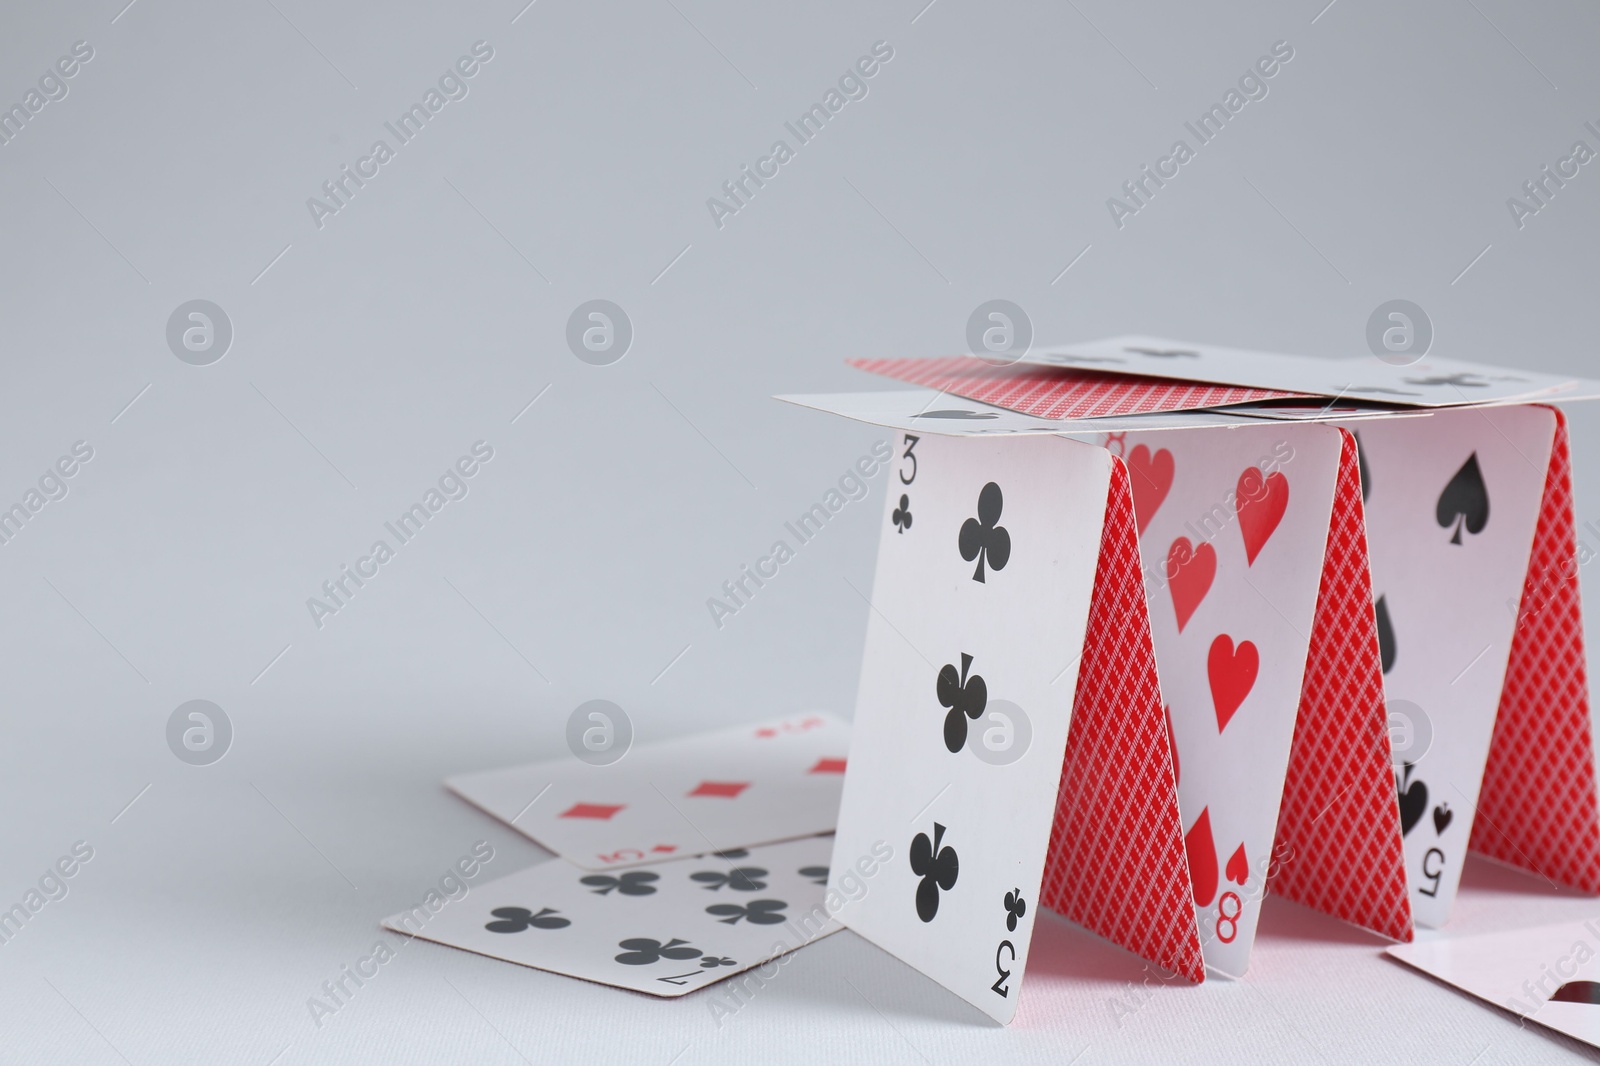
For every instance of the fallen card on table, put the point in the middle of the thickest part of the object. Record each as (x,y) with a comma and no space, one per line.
(1549,974)
(666,930)
(730,788)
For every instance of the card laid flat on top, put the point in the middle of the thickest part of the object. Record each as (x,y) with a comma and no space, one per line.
(730,788)
(666,930)
(1548,974)
(1057,393)
(1428,382)
(934,411)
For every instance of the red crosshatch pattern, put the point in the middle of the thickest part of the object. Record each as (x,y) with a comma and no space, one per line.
(1117,864)
(1339,848)
(1538,808)
(1055,392)
(602,811)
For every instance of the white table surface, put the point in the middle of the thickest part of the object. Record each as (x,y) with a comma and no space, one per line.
(371,351)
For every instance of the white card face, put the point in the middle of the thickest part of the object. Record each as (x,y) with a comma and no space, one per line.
(730,788)
(1234,529)
(924,411)
(666,930)
(1451,502)
(1430,382)
(979,608)
(1548,974)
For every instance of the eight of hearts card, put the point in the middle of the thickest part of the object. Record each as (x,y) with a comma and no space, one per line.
(1233,526)
(729,788)
(665,930)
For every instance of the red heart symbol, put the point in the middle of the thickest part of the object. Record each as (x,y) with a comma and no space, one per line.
(1202,859)
(1190,571)
(1233,673)
(1238,868)
(1152,477)
(1260,502)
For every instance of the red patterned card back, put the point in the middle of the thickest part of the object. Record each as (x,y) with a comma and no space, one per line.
(1538,809)
(1117,864)
(1339,847)
(1055,392)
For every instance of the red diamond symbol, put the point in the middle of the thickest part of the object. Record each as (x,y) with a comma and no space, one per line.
(766,731)
(664,848)
(602,811)
(827,766)
(728,789)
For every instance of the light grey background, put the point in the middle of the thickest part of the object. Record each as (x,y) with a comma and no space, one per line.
(370,354)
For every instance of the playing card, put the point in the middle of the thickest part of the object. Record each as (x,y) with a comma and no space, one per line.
(933,411)
(1539,808)
(667,930)
(1338,849)
(1548,974)
(1118,779)
(1429,382)
(1233,531)
(977,620)
(1057,392)
(731,788)
(1451,506)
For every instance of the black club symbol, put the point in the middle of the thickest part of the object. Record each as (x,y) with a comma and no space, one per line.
(902,515)
(642,950)
(965,696)
(736,853)
(1016,907)
(818,874)
(632,883)
(938,868)
(740,879)
(519,919)
(713,961)
(981,538)
(756,912)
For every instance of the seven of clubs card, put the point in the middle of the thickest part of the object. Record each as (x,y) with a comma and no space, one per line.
(667,929)
(1452,501)
(979,608)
